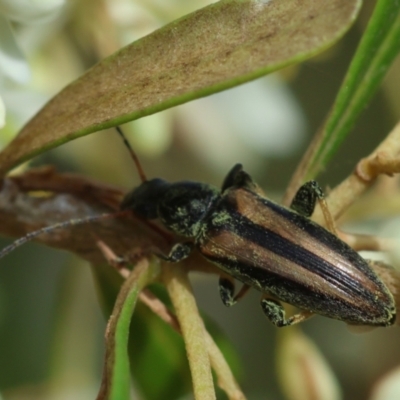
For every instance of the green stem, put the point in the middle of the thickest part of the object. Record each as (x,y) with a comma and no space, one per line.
(116,373)
(193,331)
(377,50)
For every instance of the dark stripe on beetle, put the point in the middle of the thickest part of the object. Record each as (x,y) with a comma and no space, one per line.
(302,226)
(321,239)
(322,236)
(299,295)
(281,246)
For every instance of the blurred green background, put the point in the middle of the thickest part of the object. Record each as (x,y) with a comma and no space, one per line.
(51,326)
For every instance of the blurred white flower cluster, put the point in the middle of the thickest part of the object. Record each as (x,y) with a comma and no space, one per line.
(19,16)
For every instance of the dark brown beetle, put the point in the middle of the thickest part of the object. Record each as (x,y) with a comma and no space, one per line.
(276,250)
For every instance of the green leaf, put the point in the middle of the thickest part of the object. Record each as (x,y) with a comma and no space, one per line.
(215,48)
(152,342)
(116,372)
(377,50)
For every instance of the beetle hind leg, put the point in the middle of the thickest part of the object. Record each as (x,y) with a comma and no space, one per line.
(227,291)
(275,312)
(304,203)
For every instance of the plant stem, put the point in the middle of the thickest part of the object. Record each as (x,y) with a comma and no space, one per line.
(193,331)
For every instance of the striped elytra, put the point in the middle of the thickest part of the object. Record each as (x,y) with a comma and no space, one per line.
(277,251)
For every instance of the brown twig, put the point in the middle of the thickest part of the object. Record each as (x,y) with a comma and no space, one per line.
(226,380)
(381,160)
(369,242)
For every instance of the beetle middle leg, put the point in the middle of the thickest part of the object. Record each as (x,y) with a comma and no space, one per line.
(275,312)
(304,203)
(227,291)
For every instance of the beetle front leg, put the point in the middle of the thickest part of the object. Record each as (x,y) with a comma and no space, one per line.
(179,252)
(305,199)
(275,312)
(227,291)
(231,178)
(239,178)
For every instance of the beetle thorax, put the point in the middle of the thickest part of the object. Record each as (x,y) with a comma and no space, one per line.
(184,206)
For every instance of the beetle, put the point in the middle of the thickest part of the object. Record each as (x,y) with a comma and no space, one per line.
(276,250)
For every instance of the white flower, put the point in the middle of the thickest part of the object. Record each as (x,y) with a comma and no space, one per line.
(12,61)
(14,69)
(30,11)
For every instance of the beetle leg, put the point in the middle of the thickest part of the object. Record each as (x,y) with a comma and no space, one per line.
(305,199)
(230,179)
(242,292)
(275,312)
(239,178)
(179,252)
(227,290)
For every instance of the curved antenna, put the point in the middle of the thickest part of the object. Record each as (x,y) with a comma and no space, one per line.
(133,155)
(48,229)
(78,221)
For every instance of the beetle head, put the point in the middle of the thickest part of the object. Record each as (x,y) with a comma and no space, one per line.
(144,199)
(181,206)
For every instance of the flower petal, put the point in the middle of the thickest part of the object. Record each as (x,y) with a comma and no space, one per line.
(388,387)
(302,370)
(30,11)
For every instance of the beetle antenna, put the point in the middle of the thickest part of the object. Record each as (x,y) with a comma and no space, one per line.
(133,155)
(48,229)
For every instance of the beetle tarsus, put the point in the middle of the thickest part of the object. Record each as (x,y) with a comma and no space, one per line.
(226,291)
(178,253)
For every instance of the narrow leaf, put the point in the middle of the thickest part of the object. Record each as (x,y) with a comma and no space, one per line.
(376,52)
(217,47)
(116,373)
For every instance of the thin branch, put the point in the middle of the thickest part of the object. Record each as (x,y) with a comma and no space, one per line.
(226,380)
(160,309)
(298,176)
(369,242)
(367,170)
